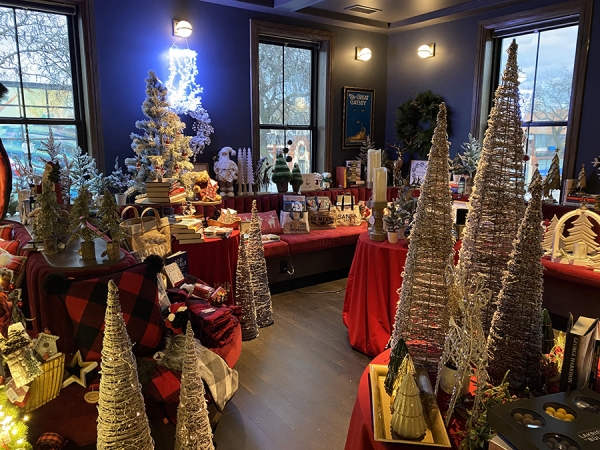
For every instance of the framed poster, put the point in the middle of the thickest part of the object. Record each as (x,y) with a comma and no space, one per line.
(417,172)
(357,116)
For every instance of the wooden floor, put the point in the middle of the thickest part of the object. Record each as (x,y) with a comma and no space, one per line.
(298,379)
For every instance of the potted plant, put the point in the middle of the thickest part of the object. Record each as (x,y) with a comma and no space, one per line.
(110,225)
(456,168)
(281,174)
(81,223)
(296,181)
(394,219)
(119,181)
(469,160)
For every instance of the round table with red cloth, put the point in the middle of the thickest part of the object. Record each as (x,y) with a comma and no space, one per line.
(213,261)
(372,293)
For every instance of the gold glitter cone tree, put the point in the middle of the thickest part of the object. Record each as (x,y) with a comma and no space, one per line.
(122,420)
(422,314)
(193,430)
(497,205)
(244,295)
(515,339)
(258,272)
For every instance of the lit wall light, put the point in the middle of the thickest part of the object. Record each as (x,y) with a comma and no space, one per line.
(182,28)
(363,54)
(426,51)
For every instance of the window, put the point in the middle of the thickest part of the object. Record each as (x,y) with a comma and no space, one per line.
(552,59)
(291,82)
(287,101)
(38,57)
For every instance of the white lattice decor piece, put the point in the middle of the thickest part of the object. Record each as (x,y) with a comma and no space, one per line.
(579,244)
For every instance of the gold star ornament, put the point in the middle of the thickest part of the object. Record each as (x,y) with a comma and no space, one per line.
(76,371)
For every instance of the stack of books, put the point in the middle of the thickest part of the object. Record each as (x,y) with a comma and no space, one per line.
(581,355)
(217,232)
(169,190)
(187,230)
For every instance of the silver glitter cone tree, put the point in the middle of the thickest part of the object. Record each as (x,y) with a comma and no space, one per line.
(258,272)
(515,339)
(193,431)
(244,295)
(122,420)
(497,205)
(422,314)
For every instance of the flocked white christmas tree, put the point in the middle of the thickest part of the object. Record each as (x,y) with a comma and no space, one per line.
(241,175)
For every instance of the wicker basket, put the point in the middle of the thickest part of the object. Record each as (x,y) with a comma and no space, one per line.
(46,387)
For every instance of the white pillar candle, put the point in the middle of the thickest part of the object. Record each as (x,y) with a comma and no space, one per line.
(380,184)
(373,162)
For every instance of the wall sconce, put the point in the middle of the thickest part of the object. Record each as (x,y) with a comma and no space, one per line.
(182,28)
(426,51)
(363,54)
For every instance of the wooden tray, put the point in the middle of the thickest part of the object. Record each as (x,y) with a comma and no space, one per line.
(436,435)
(199,203)
(145,201)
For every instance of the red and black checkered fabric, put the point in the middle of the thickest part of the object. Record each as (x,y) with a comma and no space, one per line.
(138,295)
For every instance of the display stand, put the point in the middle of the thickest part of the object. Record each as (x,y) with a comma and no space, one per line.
(69,258)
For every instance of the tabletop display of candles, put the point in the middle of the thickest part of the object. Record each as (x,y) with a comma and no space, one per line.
(373,162)
(380,184)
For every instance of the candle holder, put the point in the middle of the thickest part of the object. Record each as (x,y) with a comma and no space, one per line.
(376,232)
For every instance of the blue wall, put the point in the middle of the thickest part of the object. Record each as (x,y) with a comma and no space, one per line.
(451,74)
(135,36)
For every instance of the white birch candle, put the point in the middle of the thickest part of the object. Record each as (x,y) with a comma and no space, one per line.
(380,184)
(373,162)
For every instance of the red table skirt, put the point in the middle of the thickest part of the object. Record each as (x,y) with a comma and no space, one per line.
(213,261)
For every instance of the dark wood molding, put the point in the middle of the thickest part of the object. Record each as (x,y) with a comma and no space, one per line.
(260,28)
(483,69)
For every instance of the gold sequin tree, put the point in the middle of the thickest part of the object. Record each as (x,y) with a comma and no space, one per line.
(122,420)
(258,272)
(193,431)
(515,339)
(243,293)
(422,314)
(497,205)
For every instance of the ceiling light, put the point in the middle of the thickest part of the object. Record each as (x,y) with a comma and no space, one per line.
(182,28)
(426,51)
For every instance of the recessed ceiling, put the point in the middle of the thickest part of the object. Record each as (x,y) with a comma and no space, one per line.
(378,15)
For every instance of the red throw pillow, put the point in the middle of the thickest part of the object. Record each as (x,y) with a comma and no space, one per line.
(6,232)
(269,222)
(17,265)
(11,247)
(138,296)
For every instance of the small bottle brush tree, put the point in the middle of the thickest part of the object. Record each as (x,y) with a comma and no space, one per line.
(84,174)
(80,223)
(118,179)
(110,224)
(49,223)
(552,180)
(281,173)
(396,216)
(163,150)
(296,181)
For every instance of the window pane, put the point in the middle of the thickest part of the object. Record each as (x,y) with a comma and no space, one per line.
(300,149)
(555,74)
(526,61)
(9,67)
(270,83)
(297,89)
(542,143)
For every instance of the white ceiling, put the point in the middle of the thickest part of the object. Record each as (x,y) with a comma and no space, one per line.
(388,15)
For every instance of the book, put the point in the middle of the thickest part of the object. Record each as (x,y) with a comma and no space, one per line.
(197,239)
(192,224)
(578,354)
(340,176)
(181,258)
(173,274)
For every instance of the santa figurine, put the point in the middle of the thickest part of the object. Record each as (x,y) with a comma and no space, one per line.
(226,171)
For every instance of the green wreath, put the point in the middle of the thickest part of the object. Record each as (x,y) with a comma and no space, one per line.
(415,122)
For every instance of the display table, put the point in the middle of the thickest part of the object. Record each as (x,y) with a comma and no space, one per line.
(372,293)
(213,261)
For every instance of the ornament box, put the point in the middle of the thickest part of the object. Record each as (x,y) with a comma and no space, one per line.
(436,435)
(581,433)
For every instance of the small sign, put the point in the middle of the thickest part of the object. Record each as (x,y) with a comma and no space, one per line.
(309,182)
(417,172)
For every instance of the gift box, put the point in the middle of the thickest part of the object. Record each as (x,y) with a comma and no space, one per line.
(46,387)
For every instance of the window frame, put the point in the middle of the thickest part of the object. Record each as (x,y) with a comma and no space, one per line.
(260,30)
(486,68)
(86,92)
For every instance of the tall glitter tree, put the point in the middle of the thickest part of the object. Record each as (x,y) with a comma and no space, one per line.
(122,420)
(163,150)
(258,272)
(193,431)
(497,205)
(515,339)
(243,293)
(422,314)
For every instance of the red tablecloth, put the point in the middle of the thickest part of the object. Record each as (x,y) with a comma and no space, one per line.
(213,261)
(371,293)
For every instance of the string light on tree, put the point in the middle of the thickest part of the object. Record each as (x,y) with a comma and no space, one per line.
(13,429)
